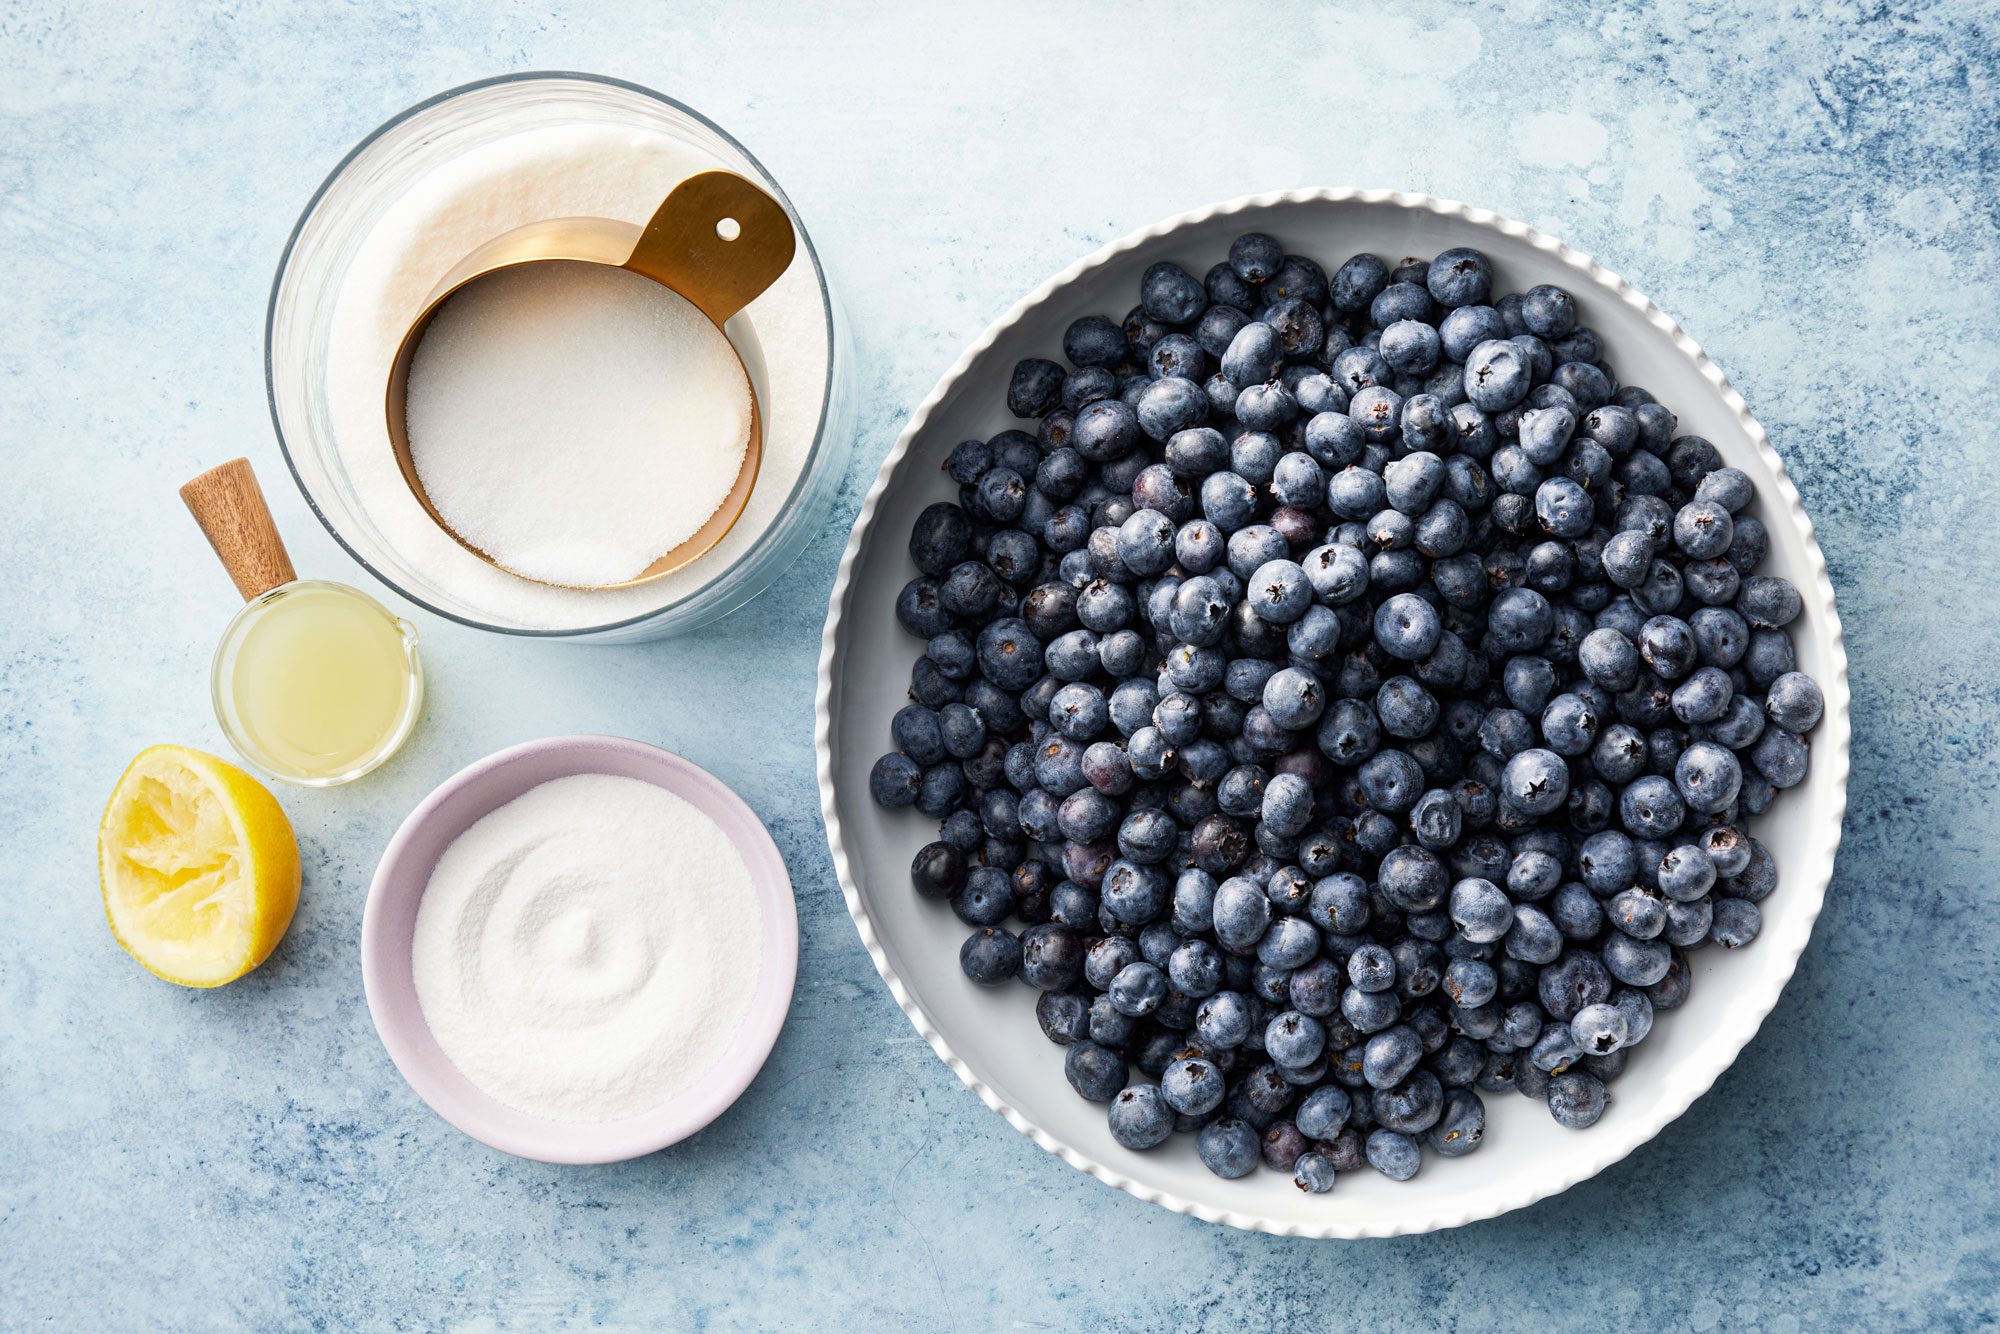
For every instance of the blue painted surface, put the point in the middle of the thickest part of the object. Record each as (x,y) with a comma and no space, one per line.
(1808,188)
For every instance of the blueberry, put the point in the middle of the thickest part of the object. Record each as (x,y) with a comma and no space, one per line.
(1519,620)
(1747,549)
(1390,1056)
(1498,375)
(1569,725)
(1780,758)
(1300,329)
(1146,542)
(1533,938)
(1769,602)
(1555,1049)
(917,734)
(1227,290)
(1278,590)
(1704,697)
(1535,782)
(1671,990)
(1195,969)
(1394,1155)
(1563,507)
(1480,911)
(1768,657)
(1544,434)
(1094,341)
(1105,430)
(1721,637)
(1355,493)
(1576,1099)
(938,870)
(1735,924)
(1178,355)
(1169,294)
(1636,963)
(1407,627)
(1051,957)
(1218,328)
(1651,807)
(972,457)
(1708,778)
(1358,282)
(1138,989)
(1460,277)
(1095,1071)
(1169,406)
(1313,1173)
(894,781)
(1727,487)
(1411,347)
(1794,703)
(1687,872)
(1036,387)
(1688,923)
(1548,311)
(1223,1021)
(1576,912)
(1726,849)
(1192,1086)
(1378,410)
(1227,1147)
(990,956)
(1315,391)
(1638,912)
(1064,1017)
(1298,277)
(1390,781)
(1703,529)
(1299,480)
(1400,300)
(1140,1118)
(1294,1039)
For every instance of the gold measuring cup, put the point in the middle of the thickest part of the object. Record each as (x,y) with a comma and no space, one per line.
(716,239)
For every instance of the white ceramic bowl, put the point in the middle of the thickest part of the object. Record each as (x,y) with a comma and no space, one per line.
(990,1038)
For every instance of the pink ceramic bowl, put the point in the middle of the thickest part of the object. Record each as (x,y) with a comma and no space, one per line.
(389,923)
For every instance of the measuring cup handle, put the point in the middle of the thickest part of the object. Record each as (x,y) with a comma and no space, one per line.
(229,505)
(691,246)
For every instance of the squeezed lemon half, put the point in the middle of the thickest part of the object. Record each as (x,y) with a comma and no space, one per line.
(199,867)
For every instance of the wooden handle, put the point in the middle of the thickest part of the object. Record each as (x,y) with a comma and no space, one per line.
(229,506)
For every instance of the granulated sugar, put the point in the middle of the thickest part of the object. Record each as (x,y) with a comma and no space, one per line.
(588,950)
(577,170)
(575,421)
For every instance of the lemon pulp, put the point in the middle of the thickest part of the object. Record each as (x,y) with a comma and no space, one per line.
(198,867)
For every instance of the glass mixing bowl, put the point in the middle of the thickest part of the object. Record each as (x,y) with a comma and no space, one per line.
(340,218)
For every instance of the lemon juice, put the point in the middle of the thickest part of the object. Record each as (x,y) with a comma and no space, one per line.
(317,683)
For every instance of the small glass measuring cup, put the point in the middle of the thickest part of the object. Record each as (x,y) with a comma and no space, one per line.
(313,682)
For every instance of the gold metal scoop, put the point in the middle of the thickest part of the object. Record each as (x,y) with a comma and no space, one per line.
(717,240)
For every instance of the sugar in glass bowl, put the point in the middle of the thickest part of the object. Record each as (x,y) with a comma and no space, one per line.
(410,201)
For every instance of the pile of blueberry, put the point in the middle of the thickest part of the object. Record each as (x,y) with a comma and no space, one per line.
(1355,697)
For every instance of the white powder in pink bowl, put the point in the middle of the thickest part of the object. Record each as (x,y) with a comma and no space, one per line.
(587,951)
(575,421)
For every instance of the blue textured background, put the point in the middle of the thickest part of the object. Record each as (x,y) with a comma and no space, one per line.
(1811,193)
